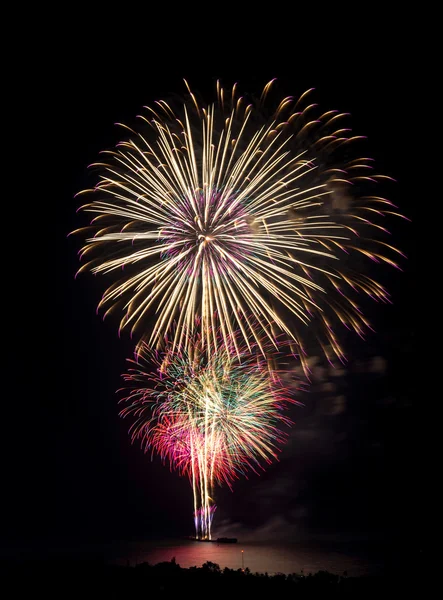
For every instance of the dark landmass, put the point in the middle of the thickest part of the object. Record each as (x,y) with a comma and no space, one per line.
(93,579)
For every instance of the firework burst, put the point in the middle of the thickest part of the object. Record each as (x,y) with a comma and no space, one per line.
(213,419)
(217,213)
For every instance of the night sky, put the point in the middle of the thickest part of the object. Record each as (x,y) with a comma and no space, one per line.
(71,471)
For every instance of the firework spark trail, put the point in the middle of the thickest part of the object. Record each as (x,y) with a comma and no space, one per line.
(216,213)
(211,419)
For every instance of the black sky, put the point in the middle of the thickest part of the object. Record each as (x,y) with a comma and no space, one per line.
(71,472)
